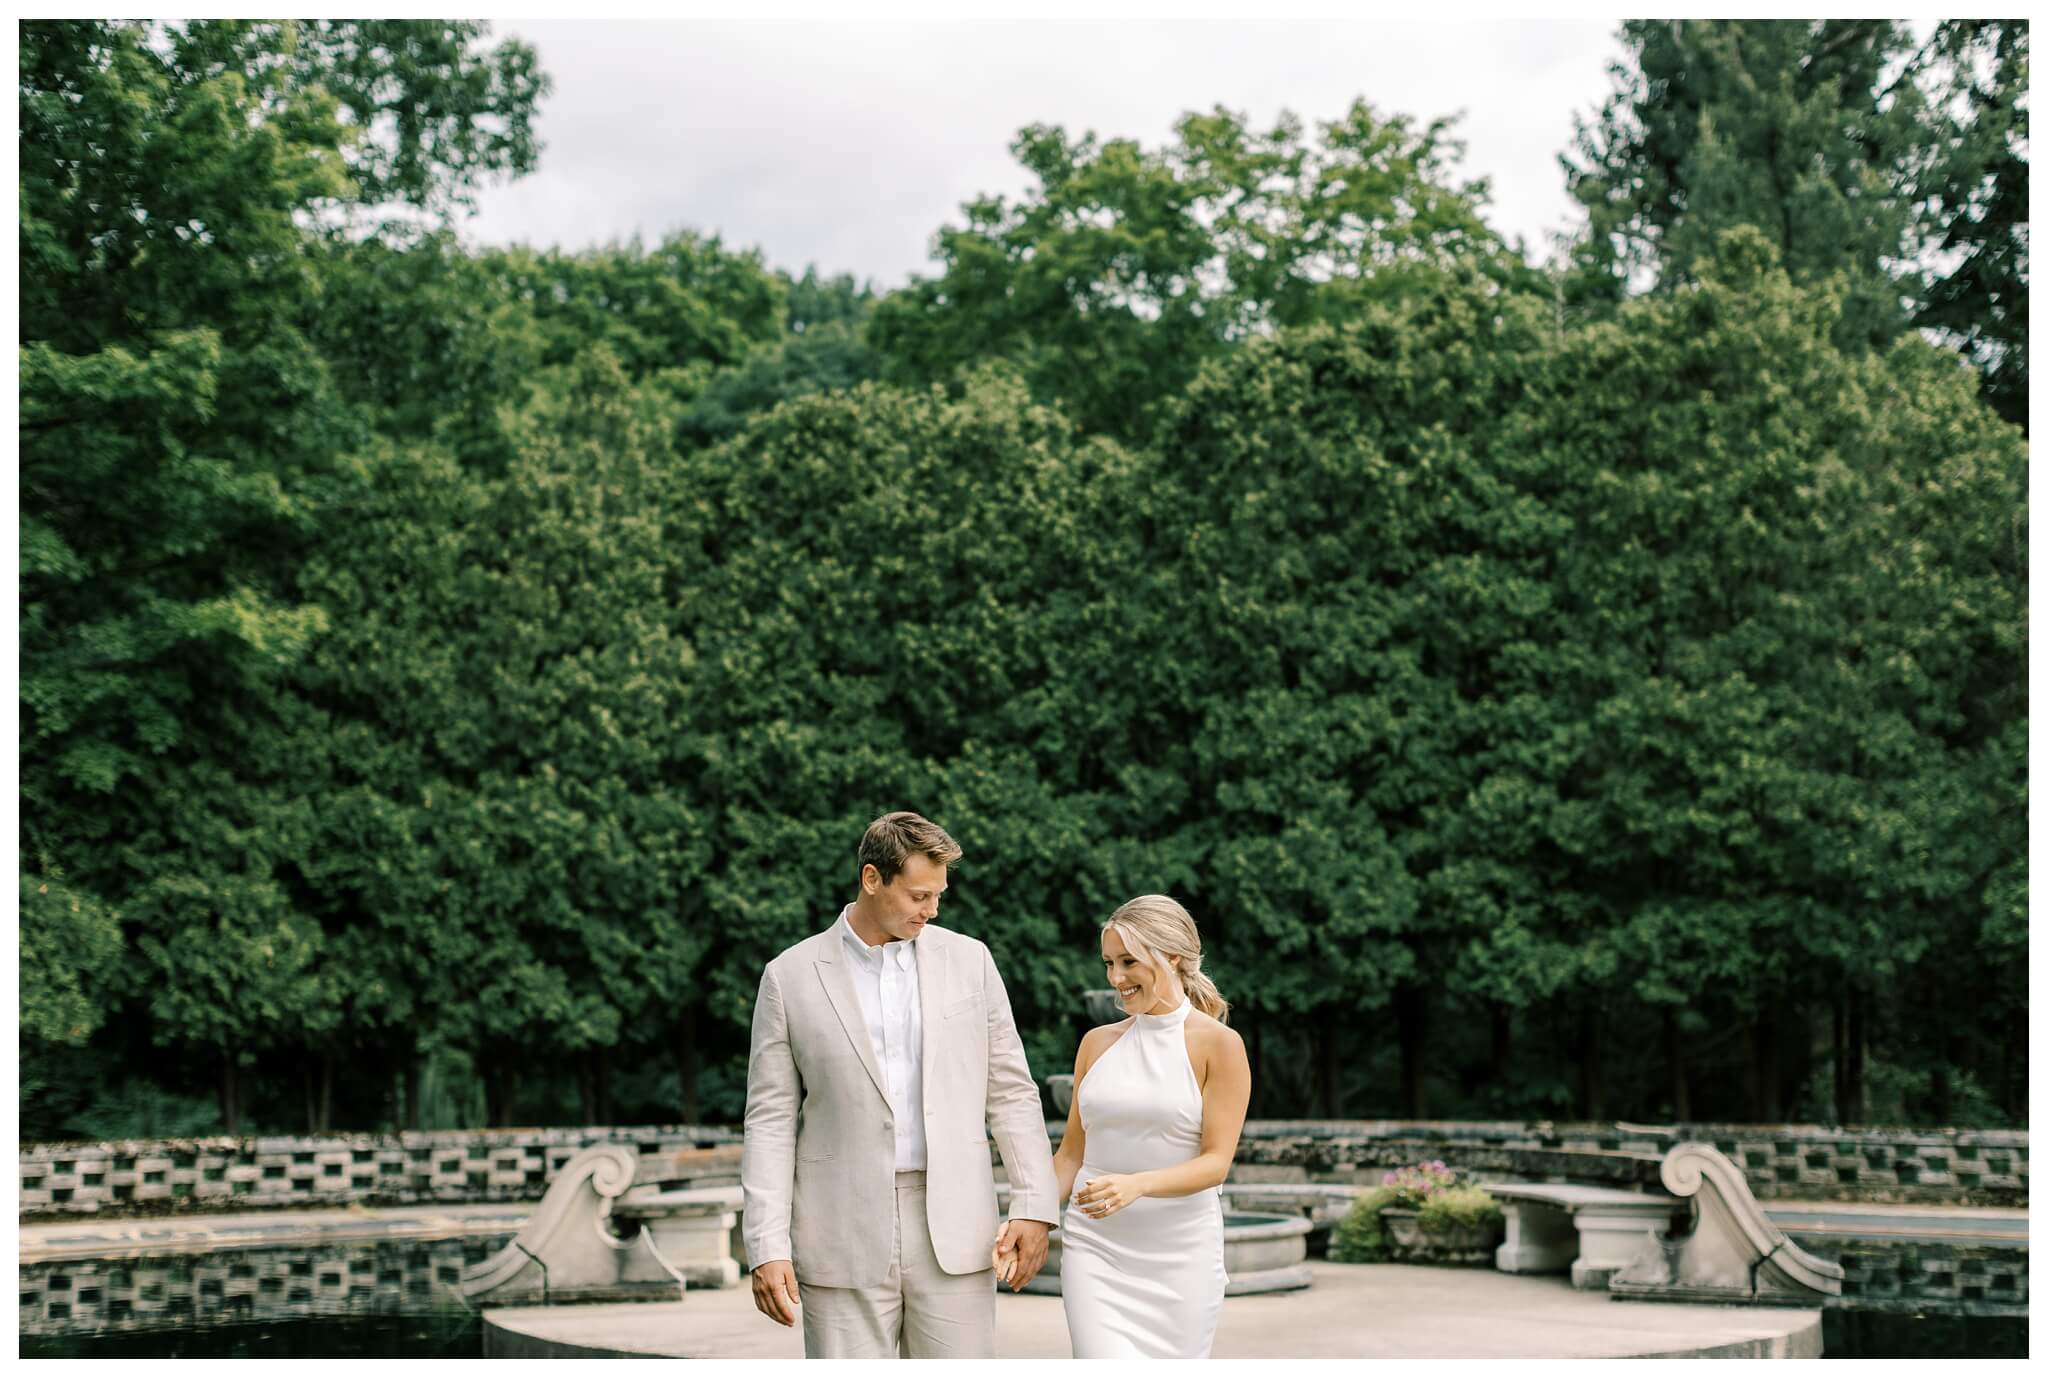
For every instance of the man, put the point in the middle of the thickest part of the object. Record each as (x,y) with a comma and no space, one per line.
(883,1048)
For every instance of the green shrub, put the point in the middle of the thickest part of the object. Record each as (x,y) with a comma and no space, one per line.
(1456,1207)
(1358,1237)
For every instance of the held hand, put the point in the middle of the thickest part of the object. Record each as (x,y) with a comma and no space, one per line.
(1026,1239)
(775,1291)
(1102,1197)
(1005,1263)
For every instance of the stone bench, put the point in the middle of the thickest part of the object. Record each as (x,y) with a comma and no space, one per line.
(1592,1232)
(689,1234)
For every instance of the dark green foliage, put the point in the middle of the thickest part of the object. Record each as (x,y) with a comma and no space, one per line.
(1459,1208)
(1854,152)
(1792,126)
(1360,1237)
(179,445)
(492,825)
(447,676)
(681,308)
(1975,194)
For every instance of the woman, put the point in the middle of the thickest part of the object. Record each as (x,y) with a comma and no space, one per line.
(1159,1100)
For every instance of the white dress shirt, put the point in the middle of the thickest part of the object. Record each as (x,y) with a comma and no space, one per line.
(885,981)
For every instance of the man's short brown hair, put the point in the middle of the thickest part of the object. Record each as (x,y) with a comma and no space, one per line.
(890,840)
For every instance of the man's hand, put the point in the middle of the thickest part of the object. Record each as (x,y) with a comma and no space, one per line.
(1026,1238)
(1004,1263)
(775,1288)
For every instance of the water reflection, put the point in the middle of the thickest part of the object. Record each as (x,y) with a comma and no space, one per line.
(399,1298)
(1893,1335)
(154,1293)
(442,1335)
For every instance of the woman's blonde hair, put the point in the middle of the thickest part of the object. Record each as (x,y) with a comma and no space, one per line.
(1155,928)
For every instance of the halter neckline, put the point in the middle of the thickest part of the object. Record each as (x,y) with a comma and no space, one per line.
(1178,1015)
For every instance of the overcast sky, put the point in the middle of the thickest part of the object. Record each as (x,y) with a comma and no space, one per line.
(847,146)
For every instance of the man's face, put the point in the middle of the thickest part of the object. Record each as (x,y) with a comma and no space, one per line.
(910,901)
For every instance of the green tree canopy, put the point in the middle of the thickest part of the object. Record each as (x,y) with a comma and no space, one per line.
(1121,270)
(1850,148)
(179,437)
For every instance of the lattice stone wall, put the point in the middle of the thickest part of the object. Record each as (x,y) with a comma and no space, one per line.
(1782,1162)
(376,1277)
(141,1176)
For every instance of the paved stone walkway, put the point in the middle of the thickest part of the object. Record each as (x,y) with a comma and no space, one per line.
(1355,1311)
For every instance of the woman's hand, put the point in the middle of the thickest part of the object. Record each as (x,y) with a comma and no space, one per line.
(1004,1261)
(1102,1197)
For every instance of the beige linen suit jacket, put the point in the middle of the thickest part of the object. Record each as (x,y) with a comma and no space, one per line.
(818,1165)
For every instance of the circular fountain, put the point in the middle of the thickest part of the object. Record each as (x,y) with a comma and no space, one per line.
(1261,1252)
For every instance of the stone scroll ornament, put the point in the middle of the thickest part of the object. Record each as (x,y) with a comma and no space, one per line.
(1732,1253)
(565,1243)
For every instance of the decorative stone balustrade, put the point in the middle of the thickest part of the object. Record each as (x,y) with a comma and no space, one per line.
(134,1177)
(1781,1162)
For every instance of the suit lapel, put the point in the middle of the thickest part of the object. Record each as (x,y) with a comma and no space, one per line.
(838,983)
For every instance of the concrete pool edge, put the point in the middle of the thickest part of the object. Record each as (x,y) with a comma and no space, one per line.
(1394,1311)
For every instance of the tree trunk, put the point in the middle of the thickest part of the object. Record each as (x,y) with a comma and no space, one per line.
(1795,1055)
(1859,1043)
(1764,1073)
(1753,1068)
(1326,1070)
(1937,1026)
(230,1093)
(602,1075)
(1844,1078)
(1849,1039)
(497,1092)
(307,1083)
(1501,1043)
(1411,1012)
(1592,1094)
(2014,1071)
(326,1093)
(586,1088)
(410,1073)
(687,1065)
(1674,1067)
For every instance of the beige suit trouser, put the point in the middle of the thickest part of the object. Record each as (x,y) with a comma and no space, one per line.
(920,1311)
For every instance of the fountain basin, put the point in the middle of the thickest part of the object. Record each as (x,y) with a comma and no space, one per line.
(1261,1253)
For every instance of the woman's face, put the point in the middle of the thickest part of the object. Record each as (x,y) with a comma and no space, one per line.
(1140,985)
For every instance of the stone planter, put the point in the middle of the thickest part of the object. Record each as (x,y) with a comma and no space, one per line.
(1463,1246)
